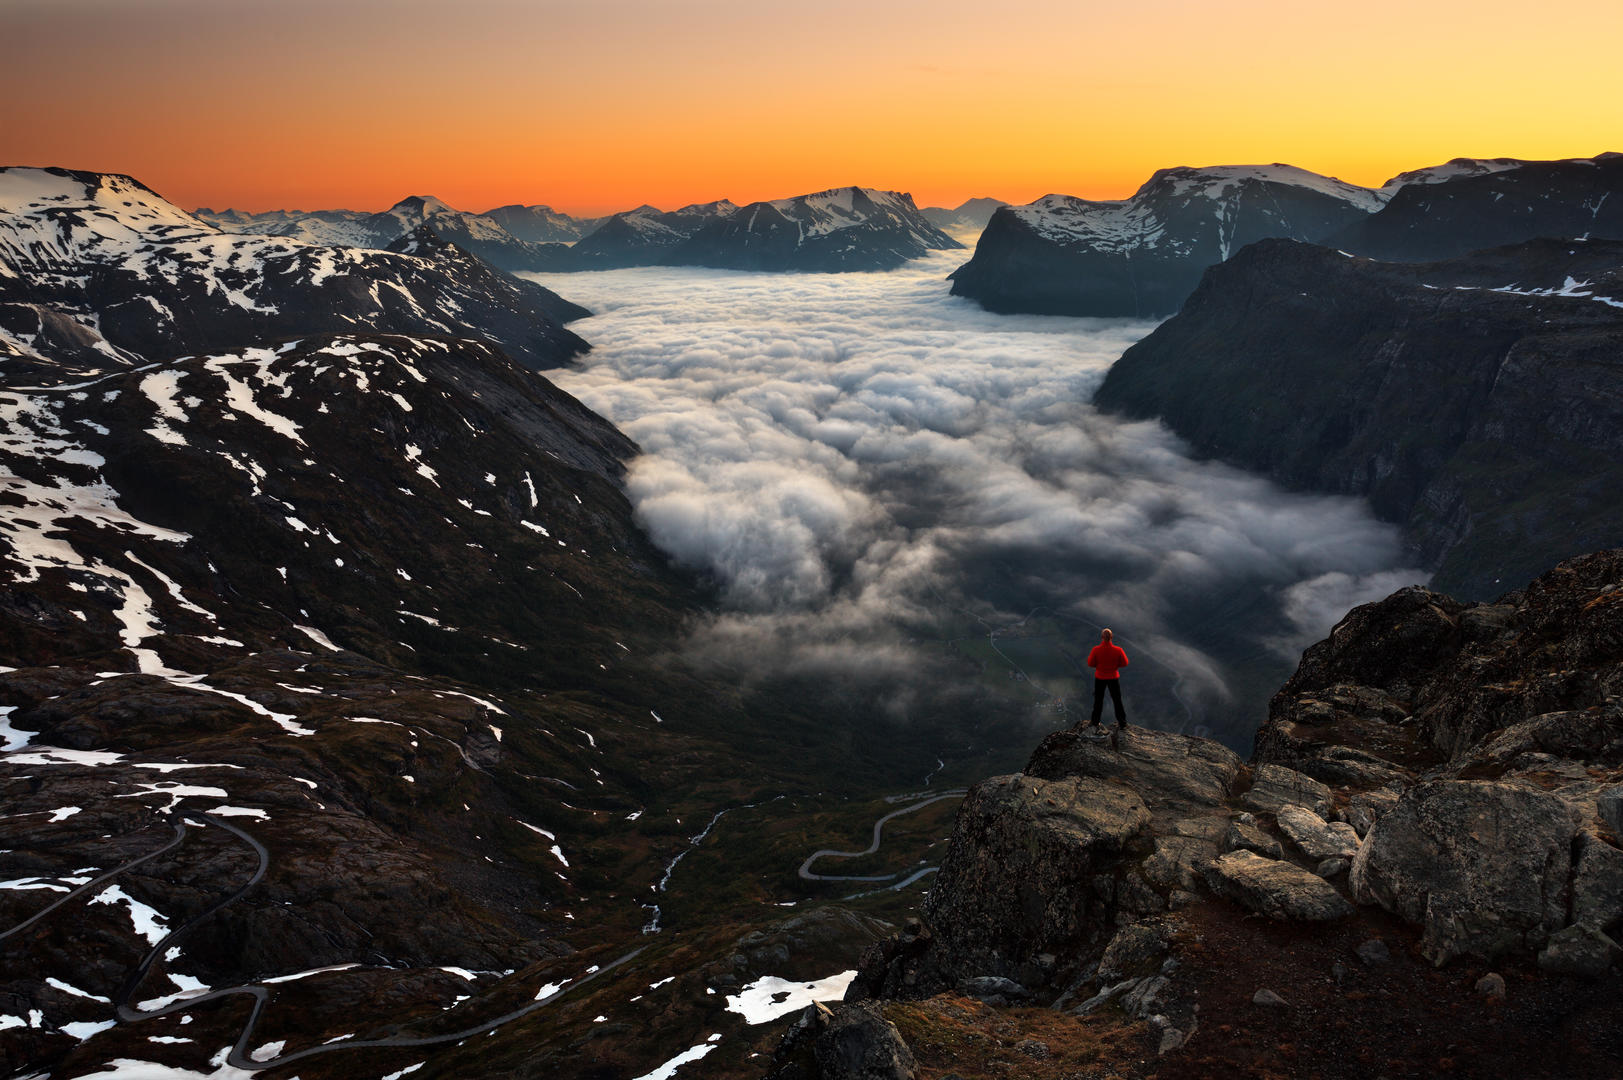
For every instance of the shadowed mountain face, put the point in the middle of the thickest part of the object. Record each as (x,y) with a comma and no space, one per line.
(1140,257)
(1501,202)
(97,269)
(1478,400)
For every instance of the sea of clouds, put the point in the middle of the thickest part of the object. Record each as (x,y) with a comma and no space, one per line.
(859,460)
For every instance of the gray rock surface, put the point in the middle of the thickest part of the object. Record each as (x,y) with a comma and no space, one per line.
(1481,865)
(1275,786)
(1609,804)
(860,1044)
(1244,834)
(1277,889)
(1135,950)
(1597,884)
(1491,985)
(1315,837)
(1579,950)
(1268,999)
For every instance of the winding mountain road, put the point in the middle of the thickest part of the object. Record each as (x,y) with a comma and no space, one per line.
(807,874)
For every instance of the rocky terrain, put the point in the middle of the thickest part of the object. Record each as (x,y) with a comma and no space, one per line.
(842,229)
(1416,874)
(1478,205)
(644,236)
(1477,400)
(1140,257)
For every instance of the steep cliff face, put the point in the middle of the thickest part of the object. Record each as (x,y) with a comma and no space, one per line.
(1477,401)
(1435,790)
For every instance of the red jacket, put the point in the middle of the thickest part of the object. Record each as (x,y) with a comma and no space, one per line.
(1105,659)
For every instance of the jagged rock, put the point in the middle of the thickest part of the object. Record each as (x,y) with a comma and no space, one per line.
(1145,998)
(1171,1039)
(1275,786)
(1579,950)
(1268,999)
(993,988)
(1314,837)
(1277,889)
(1481,865)
(1332,868)
(1373,952)
(1609,804)
(1365,808)
(860,1044)
(1491,986)
(1135,950)
(1246,835)
(1597,884)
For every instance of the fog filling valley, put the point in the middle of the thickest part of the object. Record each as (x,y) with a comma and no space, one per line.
(875,474)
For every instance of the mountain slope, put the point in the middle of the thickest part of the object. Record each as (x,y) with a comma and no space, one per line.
(103,268)
(644,236)
(841,229)
(1478,400)
(1141,256)
(1477,205)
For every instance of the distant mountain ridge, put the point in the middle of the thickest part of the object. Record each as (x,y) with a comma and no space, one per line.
(1140,257)
(849,228)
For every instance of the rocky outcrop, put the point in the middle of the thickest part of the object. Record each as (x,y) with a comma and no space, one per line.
(1436,785)
(853,1042)
(1478,401)
(1141,256)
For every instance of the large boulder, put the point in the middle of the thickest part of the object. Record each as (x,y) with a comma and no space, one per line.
(1275,787)
(1314,837)
(1482,866)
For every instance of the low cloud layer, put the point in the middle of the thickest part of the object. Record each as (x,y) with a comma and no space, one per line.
(861,459)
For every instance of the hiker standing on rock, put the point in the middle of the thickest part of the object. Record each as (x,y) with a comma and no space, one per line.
(1107,659)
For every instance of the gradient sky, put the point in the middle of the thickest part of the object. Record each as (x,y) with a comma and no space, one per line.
(597,105)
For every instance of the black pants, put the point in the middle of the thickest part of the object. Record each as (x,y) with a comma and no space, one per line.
(1099,688)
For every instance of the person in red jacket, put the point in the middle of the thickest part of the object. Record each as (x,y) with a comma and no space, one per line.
(1107,659)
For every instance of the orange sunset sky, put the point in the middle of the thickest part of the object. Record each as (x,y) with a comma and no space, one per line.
(598,106)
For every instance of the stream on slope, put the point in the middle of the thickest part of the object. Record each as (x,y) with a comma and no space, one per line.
(873,471)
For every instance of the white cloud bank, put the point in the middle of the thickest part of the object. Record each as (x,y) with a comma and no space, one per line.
(855,456)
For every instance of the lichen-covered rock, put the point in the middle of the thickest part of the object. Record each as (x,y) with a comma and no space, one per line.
(1244,834)
(1597,884)
(1135,950)
(1482,866)
(1314,837)
(1275,786)
(1579,950)
(1280,890)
